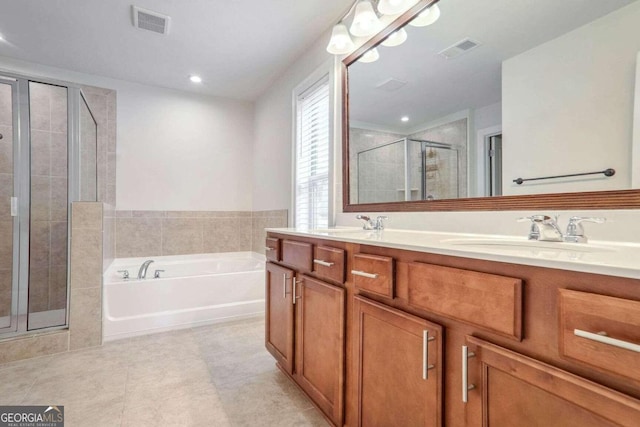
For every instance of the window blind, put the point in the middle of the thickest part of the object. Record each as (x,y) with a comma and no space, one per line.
(312,157)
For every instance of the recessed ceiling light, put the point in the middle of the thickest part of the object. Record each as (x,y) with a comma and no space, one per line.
(1,38)
(195,79)
(405,119)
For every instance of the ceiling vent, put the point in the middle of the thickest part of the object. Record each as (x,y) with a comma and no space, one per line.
(463,46)
(391,85)
(150,20)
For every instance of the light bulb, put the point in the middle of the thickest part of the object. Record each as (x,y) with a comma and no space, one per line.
(365,21)
(340,42)
(371,56)
(195,79)
(394,7)
(405,119)
(396,38)
(428,17)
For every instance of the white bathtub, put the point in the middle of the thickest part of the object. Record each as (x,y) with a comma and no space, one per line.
(193,290)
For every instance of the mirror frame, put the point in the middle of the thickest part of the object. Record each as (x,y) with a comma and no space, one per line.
(616,199)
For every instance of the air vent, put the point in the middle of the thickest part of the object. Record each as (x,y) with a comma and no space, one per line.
(391,85)
(463,46)
(150,20)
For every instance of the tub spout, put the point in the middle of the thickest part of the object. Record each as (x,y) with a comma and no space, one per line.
(142,273)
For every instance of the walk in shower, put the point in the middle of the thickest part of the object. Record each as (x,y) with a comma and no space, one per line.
(408,169)
(48,146)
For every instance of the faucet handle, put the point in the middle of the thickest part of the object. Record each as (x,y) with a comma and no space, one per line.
(125,273)
(156,274)
(575,230)
(534,218)
(367,223)
(380,222)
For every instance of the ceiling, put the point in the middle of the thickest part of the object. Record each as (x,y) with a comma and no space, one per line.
(238,47)
(435,86)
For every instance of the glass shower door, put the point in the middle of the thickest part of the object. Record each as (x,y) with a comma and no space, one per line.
(49,199)
(8,221)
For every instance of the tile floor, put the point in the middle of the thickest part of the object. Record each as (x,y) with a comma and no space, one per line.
(218,375)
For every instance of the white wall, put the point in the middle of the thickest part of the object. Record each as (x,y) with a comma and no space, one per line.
(574,92)
(176,150)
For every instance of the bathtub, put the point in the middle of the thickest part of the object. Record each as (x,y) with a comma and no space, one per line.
(193,290)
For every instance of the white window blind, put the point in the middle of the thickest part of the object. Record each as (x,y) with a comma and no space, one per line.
(312,157)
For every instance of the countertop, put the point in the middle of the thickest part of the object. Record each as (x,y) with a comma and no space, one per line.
(598,257)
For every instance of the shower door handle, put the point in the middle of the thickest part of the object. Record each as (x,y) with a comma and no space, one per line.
(14,206)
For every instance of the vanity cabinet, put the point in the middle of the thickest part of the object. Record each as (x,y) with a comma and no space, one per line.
(379,335)
(305,322)
(505,388)
(399,363)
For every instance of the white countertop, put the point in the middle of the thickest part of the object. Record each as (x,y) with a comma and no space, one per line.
(599,257)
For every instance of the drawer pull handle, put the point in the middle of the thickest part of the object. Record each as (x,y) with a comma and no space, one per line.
(268,248)
(604,339)
(425,354)
(466,354)
(323,263)
(364,274)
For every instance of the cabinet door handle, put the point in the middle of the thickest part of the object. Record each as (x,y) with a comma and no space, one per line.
(466,354)
(295,283)
(321,262)
(604,339)
(284,286)
(364,274)
(425,354)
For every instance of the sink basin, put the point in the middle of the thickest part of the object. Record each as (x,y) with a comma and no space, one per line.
(339,230)
(522,244)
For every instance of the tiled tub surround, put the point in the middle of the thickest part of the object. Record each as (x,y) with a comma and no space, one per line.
(157,233)
(85,326)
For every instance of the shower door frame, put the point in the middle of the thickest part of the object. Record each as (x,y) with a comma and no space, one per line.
(22,190)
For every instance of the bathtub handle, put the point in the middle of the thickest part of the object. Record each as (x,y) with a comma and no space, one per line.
(321,262)
(156,274)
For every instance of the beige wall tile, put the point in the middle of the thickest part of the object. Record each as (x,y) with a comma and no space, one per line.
(85,319)
(34,346)
(40,152)
(6,244)
(227,235)
(59,243)
(108,241)
(59,154)
(147,214)
(40,198)
(87,215)
(57,287)
(59,203)
(138,237)
(181,236)
(38,289)
(40,244)
(6,278)
(58,109)
(6,191)
(86,258)
(6,149)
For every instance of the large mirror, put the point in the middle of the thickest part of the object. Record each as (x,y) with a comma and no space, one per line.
(495,98)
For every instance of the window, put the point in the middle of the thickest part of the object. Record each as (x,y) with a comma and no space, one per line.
(311,191)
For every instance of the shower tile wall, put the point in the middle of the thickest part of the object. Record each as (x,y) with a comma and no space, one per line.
(383,177)
(454,133)
(6,191)
(48,237)
(157,233)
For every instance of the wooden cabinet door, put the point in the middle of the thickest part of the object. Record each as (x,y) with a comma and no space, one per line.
(320,344)
(509,389)
(279,314)
(399,372)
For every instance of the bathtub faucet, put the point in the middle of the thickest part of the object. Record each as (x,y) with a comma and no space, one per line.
(142,273)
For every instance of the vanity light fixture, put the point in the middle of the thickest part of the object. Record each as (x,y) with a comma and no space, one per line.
(372,55)
(195,79)
(340,42)
(427,17)
(365,21)
(394,7)
(396,38)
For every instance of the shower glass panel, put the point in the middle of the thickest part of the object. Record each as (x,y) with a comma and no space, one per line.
(8,222)
(49,206)
(88,150)
(381,176)
(440,177)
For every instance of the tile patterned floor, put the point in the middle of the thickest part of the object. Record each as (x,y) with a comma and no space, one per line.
(218,375)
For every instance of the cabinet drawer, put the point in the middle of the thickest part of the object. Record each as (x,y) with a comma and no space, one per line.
(297,254)
(601,331)
(328,263)
(486,300)
(272,249)
(373,273)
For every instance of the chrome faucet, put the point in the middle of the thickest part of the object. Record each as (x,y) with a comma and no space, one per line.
(575,230)
(142,273)
(543,228)
(369,224)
